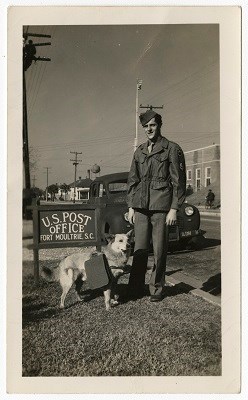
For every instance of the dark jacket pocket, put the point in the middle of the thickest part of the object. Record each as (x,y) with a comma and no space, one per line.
(157,185)
(161,157)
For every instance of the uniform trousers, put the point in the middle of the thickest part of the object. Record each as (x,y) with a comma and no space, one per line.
(149,224)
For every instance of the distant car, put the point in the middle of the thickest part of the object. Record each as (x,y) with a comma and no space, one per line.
(110,190)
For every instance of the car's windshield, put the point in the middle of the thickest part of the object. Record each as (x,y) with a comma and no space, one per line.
(117,187)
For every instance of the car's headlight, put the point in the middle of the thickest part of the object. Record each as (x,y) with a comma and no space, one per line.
(189,210)
(126,216)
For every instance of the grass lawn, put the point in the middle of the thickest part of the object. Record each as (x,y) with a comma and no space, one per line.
(179,336)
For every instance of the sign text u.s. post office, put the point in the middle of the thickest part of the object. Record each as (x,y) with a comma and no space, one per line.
(67,225)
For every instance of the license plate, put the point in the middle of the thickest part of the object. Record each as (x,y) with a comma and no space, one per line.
(190,233)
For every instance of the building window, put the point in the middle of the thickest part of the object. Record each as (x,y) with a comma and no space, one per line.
(208,176)
(189,175)
(198,178)
(84,195)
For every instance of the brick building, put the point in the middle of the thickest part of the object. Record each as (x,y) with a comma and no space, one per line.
(203,167)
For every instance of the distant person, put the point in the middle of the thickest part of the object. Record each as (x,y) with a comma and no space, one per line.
(189,190)
(210,198)
(155,192)
(29,54)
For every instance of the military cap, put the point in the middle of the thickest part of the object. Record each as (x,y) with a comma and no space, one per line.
(145,117)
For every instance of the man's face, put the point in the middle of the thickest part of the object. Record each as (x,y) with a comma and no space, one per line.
(152,130)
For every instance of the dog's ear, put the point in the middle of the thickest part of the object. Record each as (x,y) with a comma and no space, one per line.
(130,234)
(109,237)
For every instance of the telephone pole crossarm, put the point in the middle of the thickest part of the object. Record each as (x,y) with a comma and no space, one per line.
(151,107)
(42,59)
(43,44)
(36,35)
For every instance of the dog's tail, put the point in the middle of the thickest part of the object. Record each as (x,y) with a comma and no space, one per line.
(50,274)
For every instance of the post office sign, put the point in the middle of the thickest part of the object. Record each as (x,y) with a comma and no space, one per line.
(67,226)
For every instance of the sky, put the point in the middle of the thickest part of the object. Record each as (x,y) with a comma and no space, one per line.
(84,99)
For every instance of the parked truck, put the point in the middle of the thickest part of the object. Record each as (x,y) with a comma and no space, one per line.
(110,190)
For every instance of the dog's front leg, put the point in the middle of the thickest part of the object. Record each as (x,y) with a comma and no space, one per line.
(78,286)
(114,300)
(107,294)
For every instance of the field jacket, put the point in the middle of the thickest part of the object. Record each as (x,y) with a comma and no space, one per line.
(157,180)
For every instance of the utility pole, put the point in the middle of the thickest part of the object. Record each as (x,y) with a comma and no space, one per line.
(34,181)
(47,168)
(29,51)
(138,87)
(25,135)
(75,163)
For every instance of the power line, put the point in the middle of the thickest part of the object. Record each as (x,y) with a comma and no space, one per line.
(57,147)
(31,79)
(191,101)
(45,66)
(82,143)
(182,81)
(34,91)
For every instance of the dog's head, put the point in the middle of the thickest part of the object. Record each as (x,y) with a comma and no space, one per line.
(121,242)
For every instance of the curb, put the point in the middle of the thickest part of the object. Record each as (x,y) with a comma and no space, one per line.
(208,213)
(207,296)
(195,291)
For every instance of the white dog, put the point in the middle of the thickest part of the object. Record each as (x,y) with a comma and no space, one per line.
(72,268)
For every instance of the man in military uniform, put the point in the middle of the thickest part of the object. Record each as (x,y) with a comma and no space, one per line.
(156,190)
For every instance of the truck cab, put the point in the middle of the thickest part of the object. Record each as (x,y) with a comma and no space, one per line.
(111,190)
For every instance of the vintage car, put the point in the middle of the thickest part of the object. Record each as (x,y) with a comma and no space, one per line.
(110,191)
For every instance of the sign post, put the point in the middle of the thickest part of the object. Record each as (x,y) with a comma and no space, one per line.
(65,225)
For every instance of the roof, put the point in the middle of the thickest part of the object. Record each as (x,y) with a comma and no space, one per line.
(85,183)
(202,148)
(112,177)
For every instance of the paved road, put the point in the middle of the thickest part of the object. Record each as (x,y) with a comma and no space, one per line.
(211,224)
(201,268)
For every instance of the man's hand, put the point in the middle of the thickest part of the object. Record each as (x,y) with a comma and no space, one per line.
(171,217)
(131,215)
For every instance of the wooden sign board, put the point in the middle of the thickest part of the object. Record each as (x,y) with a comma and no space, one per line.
(65,225)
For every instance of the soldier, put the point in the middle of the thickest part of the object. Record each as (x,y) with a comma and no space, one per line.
(156,190)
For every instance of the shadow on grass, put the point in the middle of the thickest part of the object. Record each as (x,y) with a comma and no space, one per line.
(36,312)
(180,288)
(169,291)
